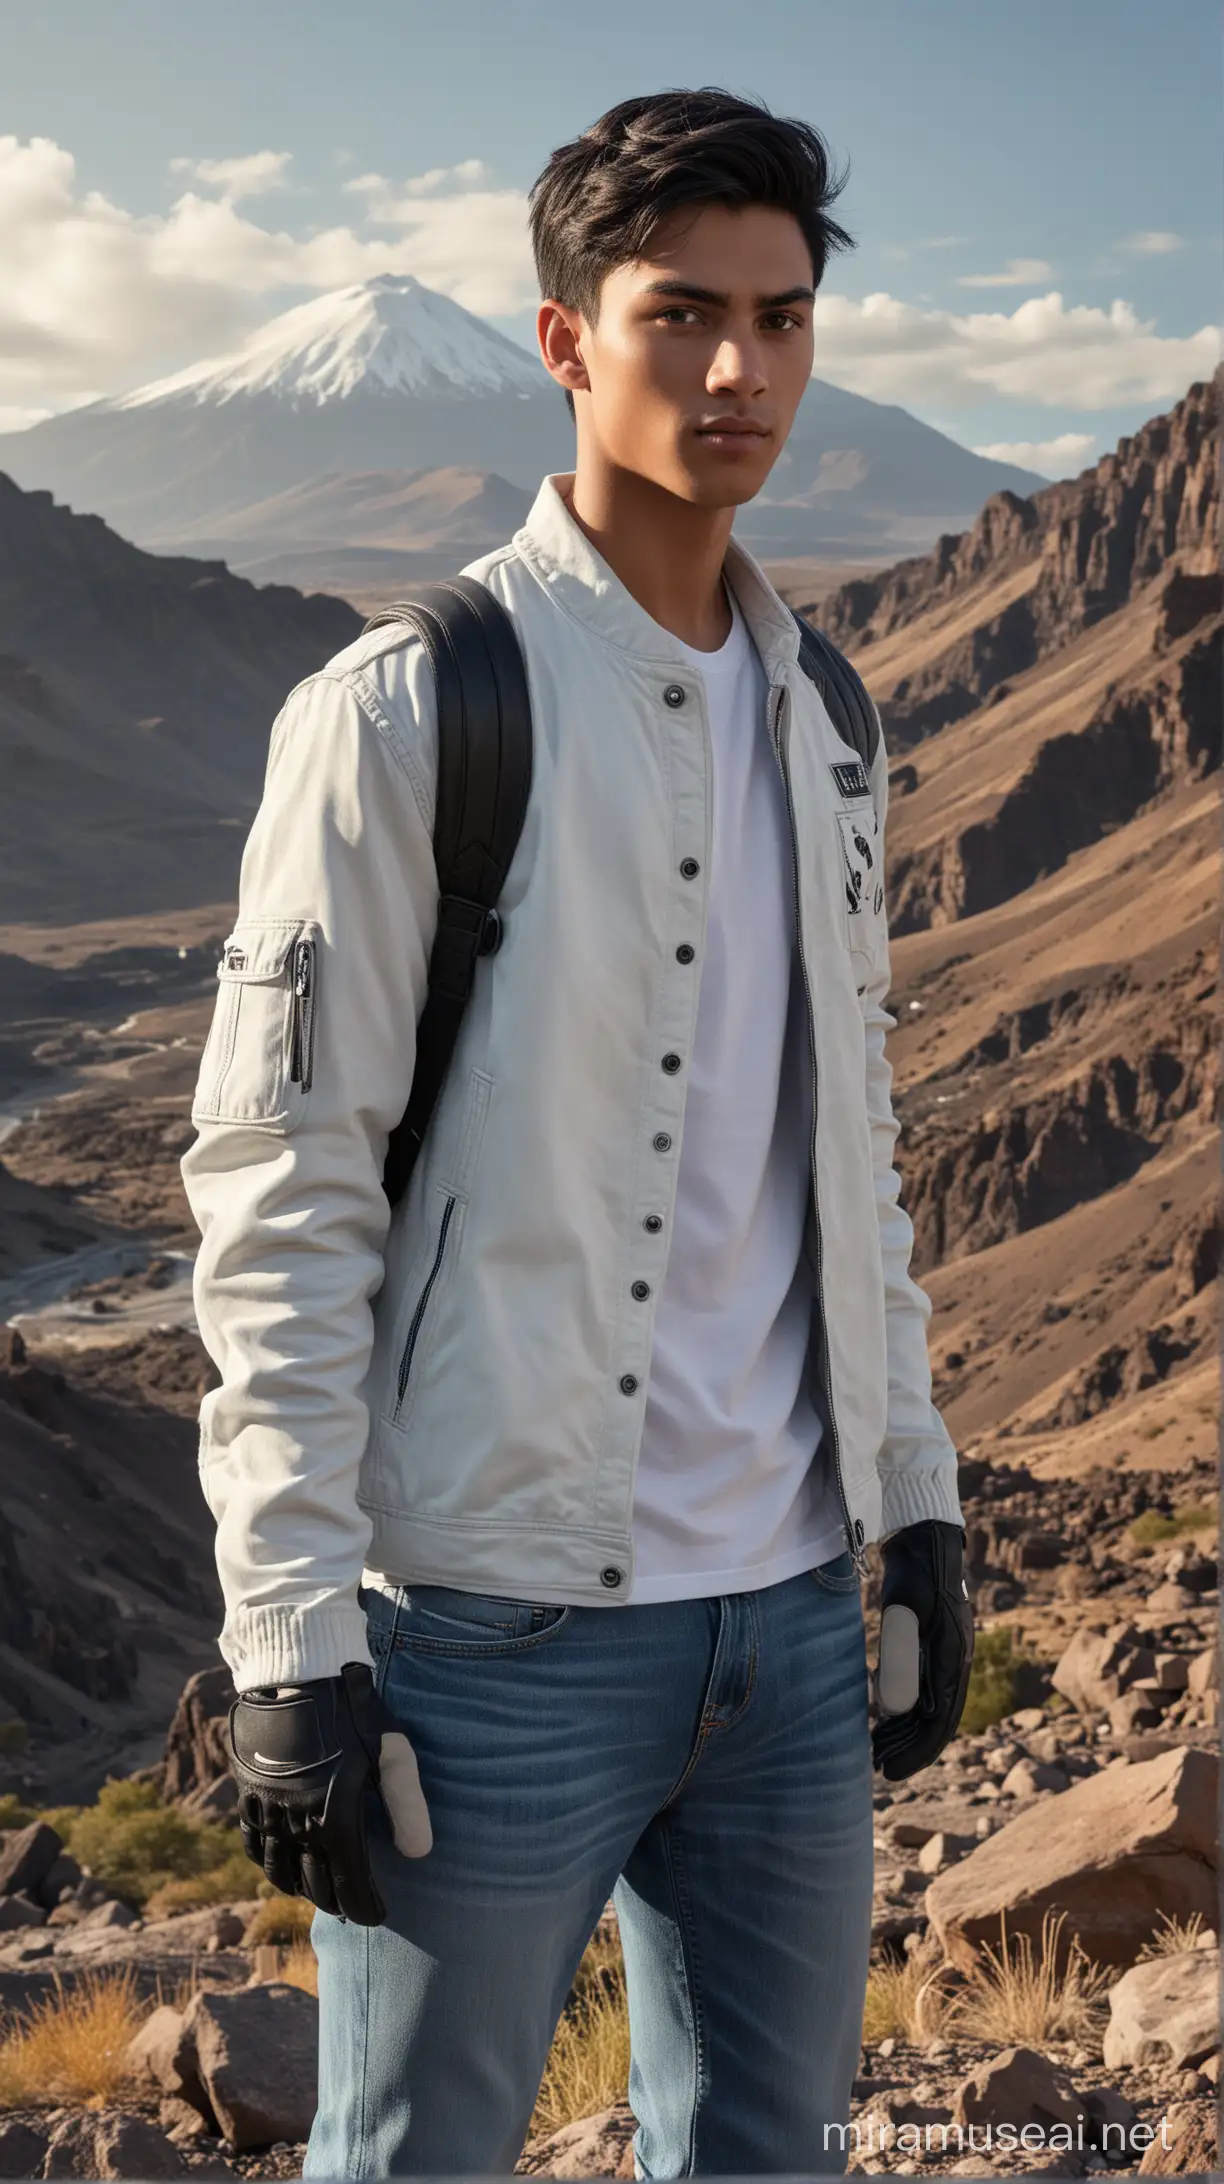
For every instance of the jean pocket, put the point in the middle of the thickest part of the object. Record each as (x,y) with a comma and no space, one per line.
(445,1619)
(839,1575)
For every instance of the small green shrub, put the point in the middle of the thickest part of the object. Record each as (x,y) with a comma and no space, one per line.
(136,1845)
(1153,1528)
(15,1814)
(1002,1678)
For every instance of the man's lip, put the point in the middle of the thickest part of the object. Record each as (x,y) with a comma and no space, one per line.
(736,428)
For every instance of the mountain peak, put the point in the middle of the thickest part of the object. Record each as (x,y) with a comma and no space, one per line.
(387,335)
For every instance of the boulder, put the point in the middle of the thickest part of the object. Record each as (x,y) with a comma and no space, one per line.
(1166,2009)
(1170,1599)
(1204,1672)
(182,2122)
(113,1912)
(1133,1711)
(21,2149)
(1098,1665)
(943,1849)
(597,2146)
(150,2053)
(1113,1851)
(196,1751)
(1171,1671)
(27,1856)
(1186,2143)
(18,1911)
(63,1874)
(1016,2086)
(911,1834)
(1109,2116)
(109,2143)
(255,2051)
(1031,1776)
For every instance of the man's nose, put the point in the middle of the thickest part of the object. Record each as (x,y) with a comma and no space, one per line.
(738,362)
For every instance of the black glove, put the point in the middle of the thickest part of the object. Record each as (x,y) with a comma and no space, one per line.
(306,1757)
(926,1646)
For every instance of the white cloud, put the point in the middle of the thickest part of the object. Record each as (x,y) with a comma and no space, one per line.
(1063,457)
(1075,357)
(252,175)
(1153,243)
(96,298)
(1019,273)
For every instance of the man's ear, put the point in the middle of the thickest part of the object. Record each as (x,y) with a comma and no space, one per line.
(560,332)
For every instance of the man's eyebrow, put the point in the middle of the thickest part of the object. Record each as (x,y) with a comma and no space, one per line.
(689,292)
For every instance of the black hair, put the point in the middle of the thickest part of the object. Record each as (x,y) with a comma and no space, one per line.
(600,197)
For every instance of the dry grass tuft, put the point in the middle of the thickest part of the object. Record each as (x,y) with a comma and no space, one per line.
(1173,1936)
(280,1918)
(300,1967)
(1018,1997)
(70,2045)
(588,2063)
(904,2000)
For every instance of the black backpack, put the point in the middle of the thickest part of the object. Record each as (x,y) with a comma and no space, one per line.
(484,777)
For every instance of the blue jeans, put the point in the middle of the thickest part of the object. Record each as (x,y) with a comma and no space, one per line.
(705,1762)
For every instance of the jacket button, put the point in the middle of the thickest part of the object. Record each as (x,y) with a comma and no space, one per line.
(685,954)
(673,695)
(628,1384)
(653,1222)
(671,1063)
(641,1290)
(611,1577)
(662,1143)
(689,868)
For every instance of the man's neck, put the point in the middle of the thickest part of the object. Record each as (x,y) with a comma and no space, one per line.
(668,553)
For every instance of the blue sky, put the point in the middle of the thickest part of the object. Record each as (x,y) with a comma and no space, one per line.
(1034,187)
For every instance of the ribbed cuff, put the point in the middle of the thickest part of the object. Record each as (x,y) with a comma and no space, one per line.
(283,1644)
(917,1492)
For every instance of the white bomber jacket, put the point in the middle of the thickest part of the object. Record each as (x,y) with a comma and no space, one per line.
(455,1393)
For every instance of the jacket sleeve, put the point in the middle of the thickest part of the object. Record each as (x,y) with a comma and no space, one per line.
(917,1462)
(285,1182)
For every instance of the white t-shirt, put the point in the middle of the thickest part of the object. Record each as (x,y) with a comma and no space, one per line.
(732,1489)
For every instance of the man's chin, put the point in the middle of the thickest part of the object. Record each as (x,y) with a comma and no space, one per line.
(724,490)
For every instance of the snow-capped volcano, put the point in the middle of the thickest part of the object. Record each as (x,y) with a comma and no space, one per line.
(390,376)
(391,335)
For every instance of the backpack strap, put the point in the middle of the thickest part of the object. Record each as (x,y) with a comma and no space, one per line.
(843,690)
(484,778)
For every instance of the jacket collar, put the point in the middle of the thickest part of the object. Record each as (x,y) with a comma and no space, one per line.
(583,585)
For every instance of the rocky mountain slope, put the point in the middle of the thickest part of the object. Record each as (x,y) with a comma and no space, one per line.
(136,696)
(388,374)
(1049,683)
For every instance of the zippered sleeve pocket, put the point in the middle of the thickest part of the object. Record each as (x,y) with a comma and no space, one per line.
(258,1063)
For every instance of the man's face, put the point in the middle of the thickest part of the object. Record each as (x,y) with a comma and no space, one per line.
(700,354)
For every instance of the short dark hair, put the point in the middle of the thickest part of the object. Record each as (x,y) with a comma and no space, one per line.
(600,197)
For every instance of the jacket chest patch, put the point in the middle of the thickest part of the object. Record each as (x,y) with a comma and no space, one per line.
(851,779)
(864,883)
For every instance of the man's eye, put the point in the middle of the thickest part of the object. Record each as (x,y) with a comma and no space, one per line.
(677,311)
(782,319)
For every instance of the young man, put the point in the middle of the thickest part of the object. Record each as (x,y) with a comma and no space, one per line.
(580,1450)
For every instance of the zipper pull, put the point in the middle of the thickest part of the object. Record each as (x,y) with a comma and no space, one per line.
(301,973)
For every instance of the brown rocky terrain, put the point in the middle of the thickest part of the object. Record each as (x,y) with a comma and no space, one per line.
(1049,683)
(136,696)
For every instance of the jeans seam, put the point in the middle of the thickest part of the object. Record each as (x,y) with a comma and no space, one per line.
(752,1665)
(365,2062)
(688,1951)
